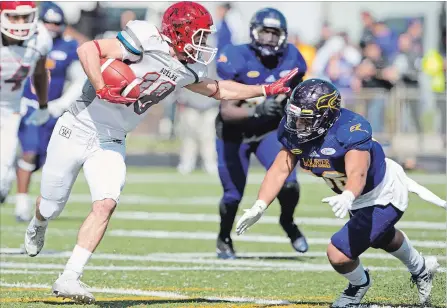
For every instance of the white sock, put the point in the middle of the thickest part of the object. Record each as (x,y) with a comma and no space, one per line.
(77,261)
(410,257)
(22,204)
(357,277)
(39,223)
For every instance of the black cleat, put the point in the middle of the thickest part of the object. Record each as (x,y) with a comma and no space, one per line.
(224,249)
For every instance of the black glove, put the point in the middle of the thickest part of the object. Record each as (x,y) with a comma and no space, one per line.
(269,108)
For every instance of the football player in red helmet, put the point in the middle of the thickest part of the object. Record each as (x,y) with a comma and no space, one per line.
(187,26)
(23,52)
(18,19)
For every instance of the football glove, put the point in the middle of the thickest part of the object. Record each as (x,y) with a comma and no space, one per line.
(279,86)
(250,216)
(268,108)
(340,204)
(38,117)
(113,94)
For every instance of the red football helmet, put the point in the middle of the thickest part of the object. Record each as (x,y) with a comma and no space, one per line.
(187,25)
(15,27)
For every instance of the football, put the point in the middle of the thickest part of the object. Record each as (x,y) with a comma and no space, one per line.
(114,72)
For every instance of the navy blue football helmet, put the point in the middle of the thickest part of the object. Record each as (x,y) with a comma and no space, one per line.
(312,109)
(268,32)
(51,13)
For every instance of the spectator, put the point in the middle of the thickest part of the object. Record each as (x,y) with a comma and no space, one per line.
(367,33)
(415,31)
(196,131)
(228,25)
(408,65)
(341,72)
(326,34)
(125,17)
(307,51)
(386,39)
(374,72)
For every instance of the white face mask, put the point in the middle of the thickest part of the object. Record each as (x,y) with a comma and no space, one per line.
(19,31)
(198,50)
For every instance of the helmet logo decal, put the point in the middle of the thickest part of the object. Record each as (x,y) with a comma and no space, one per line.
(356,127)
(328,101)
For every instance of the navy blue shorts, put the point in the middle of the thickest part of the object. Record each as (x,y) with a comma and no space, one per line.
(34,139)
(371,226)
(233,160)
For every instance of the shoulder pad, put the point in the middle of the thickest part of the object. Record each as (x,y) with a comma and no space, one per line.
(355,135)
(139,36)
(230,62)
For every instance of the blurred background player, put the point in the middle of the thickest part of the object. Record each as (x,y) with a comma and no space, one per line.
(63,64)
(249,126)
(24,45)
(195,130)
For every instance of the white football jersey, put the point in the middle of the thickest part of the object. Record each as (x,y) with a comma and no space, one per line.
(158,75)
(17,62)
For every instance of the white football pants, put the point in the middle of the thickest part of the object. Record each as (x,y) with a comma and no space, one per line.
(9,127)
(72,146)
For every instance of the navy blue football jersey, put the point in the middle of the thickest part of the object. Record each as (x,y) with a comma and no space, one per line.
(240,63)
(58,61)
(325,156)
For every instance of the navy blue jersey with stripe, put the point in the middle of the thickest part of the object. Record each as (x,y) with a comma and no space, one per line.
(325,156)
(58,61)
(241,63)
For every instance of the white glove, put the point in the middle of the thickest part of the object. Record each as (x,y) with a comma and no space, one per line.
(341,204)
(250,216)
(38,117)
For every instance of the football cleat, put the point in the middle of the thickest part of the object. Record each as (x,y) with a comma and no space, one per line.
(224,249)
(300,244)
(69,287)
(352,295)
(34,238)
(424,280)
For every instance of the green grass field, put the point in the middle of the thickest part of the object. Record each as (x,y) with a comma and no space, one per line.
(159,250)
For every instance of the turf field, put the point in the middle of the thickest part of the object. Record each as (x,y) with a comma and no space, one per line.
(159,250)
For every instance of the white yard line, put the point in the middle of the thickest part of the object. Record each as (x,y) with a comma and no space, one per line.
(185,217)
(248,266)
(313,221)
(185,257)
(184,235)
(253,178)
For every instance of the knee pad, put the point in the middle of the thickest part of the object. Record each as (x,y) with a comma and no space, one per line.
(50,209)
(26,165)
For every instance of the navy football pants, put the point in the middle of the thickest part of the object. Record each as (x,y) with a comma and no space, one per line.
(233,161)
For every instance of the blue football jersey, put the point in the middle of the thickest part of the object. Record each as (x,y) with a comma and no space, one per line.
(58,61)
(240,63)
(325,157)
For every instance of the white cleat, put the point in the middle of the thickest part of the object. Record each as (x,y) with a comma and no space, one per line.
(353,295)
(34,238)
(69,287)
(424,280)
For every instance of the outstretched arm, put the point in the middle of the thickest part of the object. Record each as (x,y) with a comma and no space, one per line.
(40,83)
(271,185)
(231,90)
